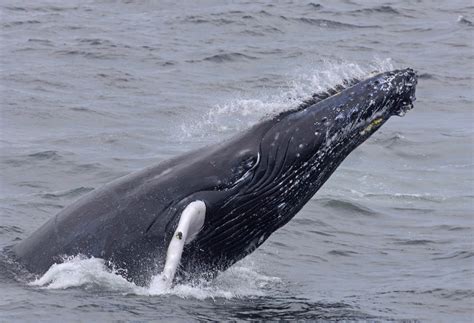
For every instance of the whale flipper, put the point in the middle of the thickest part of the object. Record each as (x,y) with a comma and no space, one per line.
(190,223)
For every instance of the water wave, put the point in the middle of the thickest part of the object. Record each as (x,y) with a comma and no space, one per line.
(463,254)
(330,23)
(463,21)
(343,253)
(409,196)
(315,5)
(47,154)
(20,23)
(10,228)
(42,8)
(396,139)
(228,57)
(384,9)
(78,191)
(93,274)
(346,206)
(414,242)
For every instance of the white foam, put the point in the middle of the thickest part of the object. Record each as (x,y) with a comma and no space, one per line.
(84,272)
(92,273)
(240,113)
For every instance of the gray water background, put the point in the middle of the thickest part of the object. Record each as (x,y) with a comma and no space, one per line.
(92,90)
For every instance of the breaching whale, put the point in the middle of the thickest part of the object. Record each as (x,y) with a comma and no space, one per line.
(197,214)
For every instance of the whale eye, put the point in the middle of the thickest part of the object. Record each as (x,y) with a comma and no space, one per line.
(246,162)
(249,162)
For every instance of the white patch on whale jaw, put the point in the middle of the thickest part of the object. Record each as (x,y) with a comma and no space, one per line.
(190,223)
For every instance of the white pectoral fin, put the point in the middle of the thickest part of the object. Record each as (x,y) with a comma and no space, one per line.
(190,223)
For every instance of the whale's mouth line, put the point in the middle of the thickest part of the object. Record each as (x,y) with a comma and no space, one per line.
(403,108)
(377,119)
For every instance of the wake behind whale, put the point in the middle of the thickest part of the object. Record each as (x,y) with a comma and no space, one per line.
(199,213)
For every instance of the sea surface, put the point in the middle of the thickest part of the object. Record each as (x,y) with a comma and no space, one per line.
(93,90)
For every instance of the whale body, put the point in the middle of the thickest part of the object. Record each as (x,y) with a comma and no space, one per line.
(197,214)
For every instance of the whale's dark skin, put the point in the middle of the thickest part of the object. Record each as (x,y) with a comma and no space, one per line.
(251,185)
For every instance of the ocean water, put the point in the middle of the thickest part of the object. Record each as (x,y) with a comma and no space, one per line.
(93,90)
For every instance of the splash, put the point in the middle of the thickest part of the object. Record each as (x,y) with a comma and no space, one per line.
(80,271)
(240,113)
(93,274)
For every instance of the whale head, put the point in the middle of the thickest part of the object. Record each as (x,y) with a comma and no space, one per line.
(350,115)
(354,114)
(288,158)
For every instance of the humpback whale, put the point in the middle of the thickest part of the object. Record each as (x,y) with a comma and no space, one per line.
(197,214)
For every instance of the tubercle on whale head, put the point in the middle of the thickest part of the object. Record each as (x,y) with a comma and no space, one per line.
(395,92)
(368,104)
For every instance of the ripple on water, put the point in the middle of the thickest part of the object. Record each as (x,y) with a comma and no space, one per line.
(74,192)
(329,23)
(10,228)
(451,227)
(408,197)
(211,20)
(414,242)
(316,6)
(343,253)
(465,22)
(346,206)
(463,254)
(97,54)
(384,9)
(443,293)
(228,57)
(41,157)
(292,309)
(41,41)
(20,23)
(395,140)
(47,154)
